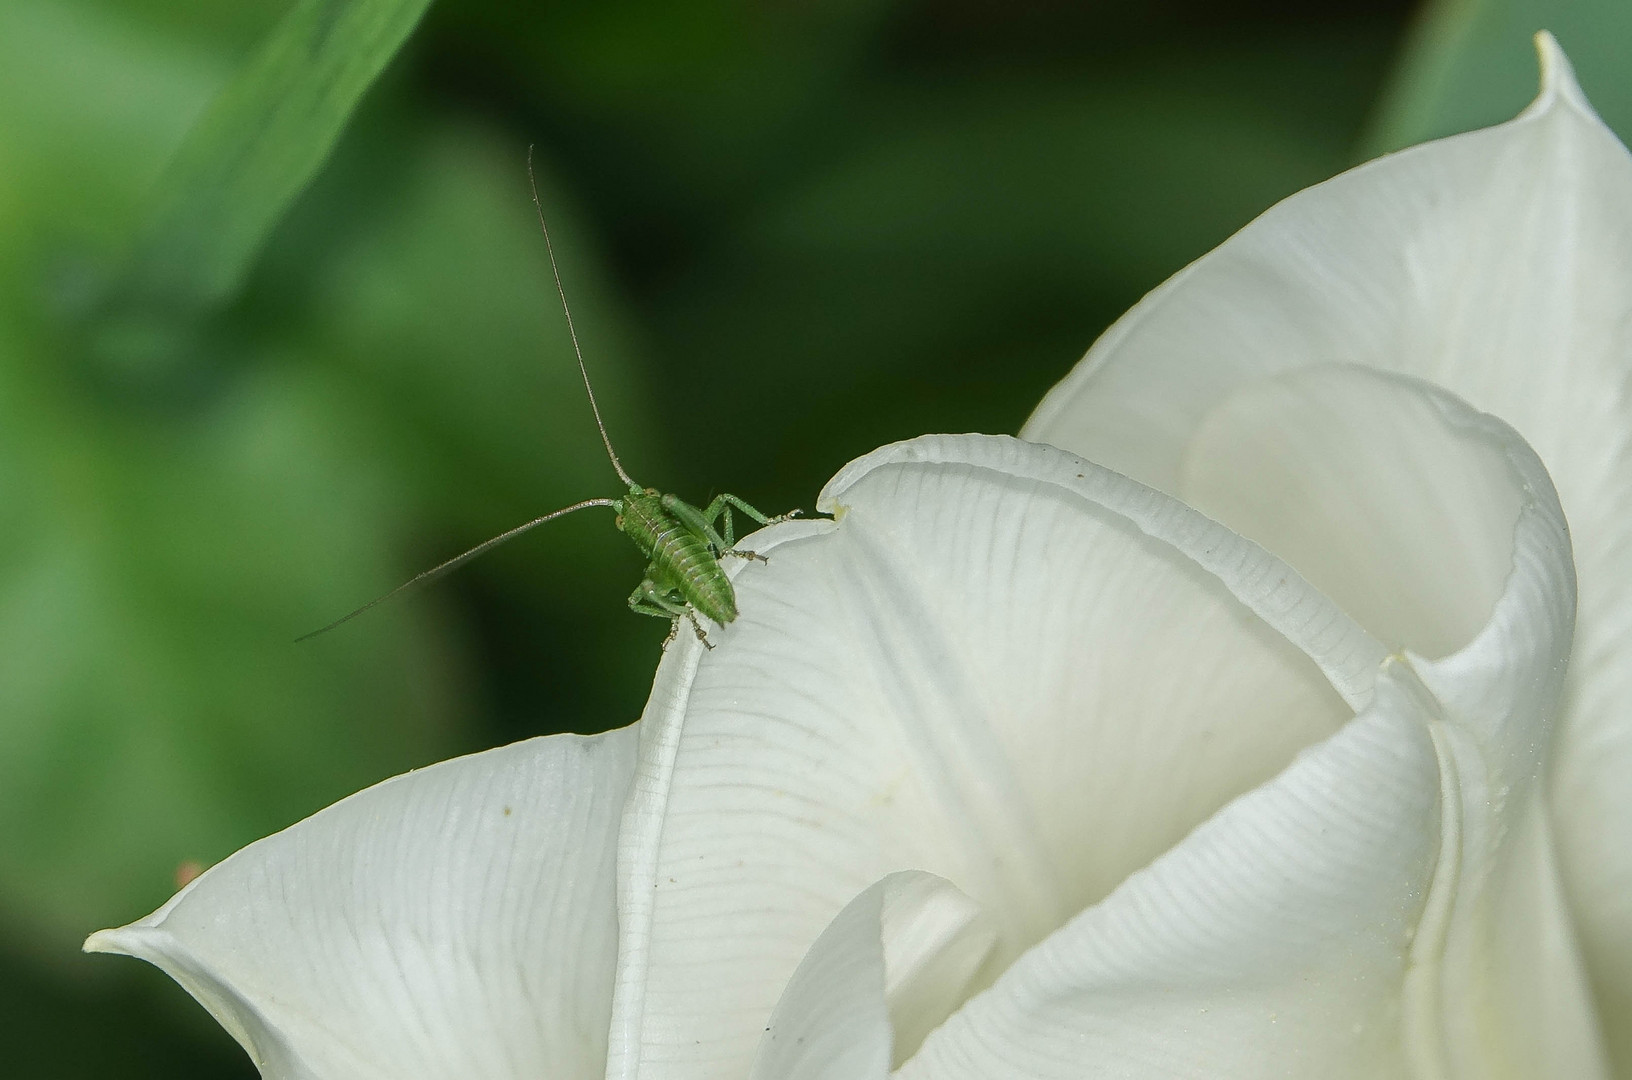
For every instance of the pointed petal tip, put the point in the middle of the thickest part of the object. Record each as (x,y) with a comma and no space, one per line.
(1557,76)
(127,940)
(117,940)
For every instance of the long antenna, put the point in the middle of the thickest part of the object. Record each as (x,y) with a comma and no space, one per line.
(532,182)
(458,560)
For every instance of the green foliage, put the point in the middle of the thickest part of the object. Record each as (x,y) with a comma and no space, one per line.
(161,539)
(179,504)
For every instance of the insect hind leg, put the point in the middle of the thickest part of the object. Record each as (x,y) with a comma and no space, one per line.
(648,599)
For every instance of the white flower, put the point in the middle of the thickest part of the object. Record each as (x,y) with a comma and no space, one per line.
(1497,265)
(1020,768)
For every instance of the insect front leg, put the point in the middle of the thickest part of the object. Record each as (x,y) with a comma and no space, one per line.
(721,508)
(724,502)
(648,599)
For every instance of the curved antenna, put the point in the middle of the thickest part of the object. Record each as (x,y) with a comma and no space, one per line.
(458,560)
(532,182)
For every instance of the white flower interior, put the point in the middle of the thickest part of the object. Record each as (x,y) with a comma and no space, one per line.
(1364,485)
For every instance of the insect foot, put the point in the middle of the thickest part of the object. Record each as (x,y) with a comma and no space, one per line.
(702,635)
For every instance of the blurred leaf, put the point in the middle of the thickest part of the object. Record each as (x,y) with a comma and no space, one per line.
(91,105)
(1470,63)
(258,145)
(157,557)
(150,580)
(238,27)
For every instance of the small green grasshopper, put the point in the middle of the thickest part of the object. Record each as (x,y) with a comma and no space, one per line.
(682,544)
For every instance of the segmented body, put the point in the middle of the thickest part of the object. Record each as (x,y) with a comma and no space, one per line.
(684,565)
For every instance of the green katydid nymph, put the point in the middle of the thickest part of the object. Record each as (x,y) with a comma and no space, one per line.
(683,545)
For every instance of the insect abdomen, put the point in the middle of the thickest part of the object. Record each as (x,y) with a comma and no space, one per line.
(695,573)
(681,560)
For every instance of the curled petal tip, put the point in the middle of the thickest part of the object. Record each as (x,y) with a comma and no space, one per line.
(1557,75)
(141,940)
(104,941)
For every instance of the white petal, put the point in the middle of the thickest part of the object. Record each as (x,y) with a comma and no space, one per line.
(1508,988)
(454,922)
(937,941)
(886,970)
(1383,908)
(1001,665)
(1273,941)
(1377,488)
(1491,263)
(832,1022)
(1497,264)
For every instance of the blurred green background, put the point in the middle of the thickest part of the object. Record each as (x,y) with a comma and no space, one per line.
(277,332)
